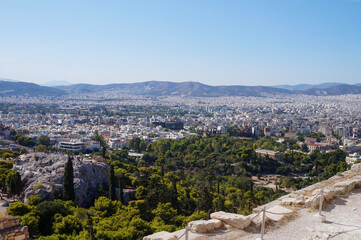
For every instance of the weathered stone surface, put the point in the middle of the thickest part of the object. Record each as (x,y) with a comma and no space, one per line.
(204,226)
(217,223)
(48,169)
(11,230)
(313,201)
(235,220)
(257,220)
(348,185)
(292,201)
(161,236)
(277,213)
(201,226)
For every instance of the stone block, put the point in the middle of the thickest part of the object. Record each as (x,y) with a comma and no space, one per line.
(217,223)
(277,213)
(161,236)
(235,220)
(201,226)
(292,201)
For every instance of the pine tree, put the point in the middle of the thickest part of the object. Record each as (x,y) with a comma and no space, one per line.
(112,183)
(68,181)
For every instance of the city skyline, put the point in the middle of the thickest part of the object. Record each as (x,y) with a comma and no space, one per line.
(228,43)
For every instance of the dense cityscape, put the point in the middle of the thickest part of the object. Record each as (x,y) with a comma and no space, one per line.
(246,151)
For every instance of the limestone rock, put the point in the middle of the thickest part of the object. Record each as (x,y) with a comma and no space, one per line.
(257,219)
(356,167)
(277,213)
(235,220)
(161,236)
(347,185)
(217,223)
(47,170)
(292,201)
(201,226)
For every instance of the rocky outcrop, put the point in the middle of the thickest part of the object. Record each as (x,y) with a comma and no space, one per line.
(10,229)
(43,174)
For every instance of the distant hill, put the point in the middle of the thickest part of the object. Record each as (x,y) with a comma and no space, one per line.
(173,88)
(300,87)
(334,90)
(30,89)
(8,80)
(56,83)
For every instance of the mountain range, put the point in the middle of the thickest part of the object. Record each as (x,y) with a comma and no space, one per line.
(160,88)
(12,88)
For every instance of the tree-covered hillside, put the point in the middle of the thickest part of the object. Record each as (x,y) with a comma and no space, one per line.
(176,181)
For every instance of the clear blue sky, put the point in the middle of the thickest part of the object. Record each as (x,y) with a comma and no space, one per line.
(247,42)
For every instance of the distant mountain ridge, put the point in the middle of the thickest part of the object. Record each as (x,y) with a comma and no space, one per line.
(27,89)
(300,87)
(203,90)
(174,88)
(160,88)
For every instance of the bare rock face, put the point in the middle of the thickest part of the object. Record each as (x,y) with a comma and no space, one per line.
(43,174)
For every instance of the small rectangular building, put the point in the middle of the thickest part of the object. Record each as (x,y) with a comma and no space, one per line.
(270,153)
(71,146)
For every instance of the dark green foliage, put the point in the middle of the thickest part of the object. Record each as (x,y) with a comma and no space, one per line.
(112,183)
(68,181)
(135,143)
(99,138)
(46,212)
(24,141)
(14,184)
(44,140)
(18,209)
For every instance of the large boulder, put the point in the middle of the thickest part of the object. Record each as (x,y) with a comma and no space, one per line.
(235,220)
(292,200)
(277,213)
(204,226)
(43,174)
(161,236)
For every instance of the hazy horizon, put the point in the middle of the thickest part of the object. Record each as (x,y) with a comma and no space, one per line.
(258,42)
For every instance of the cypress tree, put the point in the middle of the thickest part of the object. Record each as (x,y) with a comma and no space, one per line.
(121,187)
(68,181)
(112,183)
(14,184)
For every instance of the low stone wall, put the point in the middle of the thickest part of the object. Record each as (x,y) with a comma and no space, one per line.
(309,197)
(10,229)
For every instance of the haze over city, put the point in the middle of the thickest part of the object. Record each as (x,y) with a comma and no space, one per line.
(258,42)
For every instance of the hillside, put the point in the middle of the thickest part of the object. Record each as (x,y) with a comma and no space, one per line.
(173,88)
(27,89)
(334,90)
(301,87)
(159,88)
